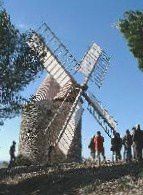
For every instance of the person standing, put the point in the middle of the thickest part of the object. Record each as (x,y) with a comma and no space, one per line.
(92,148)
(12,153)
(134,145)
(99,148)
(138,142)
(51,150)
(127,142)
(116,146)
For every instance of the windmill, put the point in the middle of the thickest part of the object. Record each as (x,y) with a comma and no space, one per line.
(66,85)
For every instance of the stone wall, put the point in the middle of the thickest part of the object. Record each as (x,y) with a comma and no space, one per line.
(34,142)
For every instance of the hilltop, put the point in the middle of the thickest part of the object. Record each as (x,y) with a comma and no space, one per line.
(74,179)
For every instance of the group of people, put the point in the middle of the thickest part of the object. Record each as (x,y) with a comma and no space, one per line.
(132,143)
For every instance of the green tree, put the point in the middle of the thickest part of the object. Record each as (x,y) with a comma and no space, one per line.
(19,65)
(132,28)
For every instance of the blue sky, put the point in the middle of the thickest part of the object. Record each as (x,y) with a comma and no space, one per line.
(77,24)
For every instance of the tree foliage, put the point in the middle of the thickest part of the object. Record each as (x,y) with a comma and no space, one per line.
(19,65)
(132,28)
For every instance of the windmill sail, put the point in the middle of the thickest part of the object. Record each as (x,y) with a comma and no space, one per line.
(90,59)
(101,115)
(58,48)
(65,140)
(101,69)
(95,55)
(51,62)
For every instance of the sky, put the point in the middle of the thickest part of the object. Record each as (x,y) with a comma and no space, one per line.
(77,24)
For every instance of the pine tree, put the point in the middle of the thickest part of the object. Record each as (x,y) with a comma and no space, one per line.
(19,65)
(132,28)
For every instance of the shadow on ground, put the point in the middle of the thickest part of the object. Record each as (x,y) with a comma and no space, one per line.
(69,181)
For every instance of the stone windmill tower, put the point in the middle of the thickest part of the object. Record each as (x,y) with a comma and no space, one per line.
(54,117)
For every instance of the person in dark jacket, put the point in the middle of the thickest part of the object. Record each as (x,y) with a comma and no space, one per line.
(127,142)
(12,154)
(92,148)
(50,152)
(12,151)
(116,146)
(138,142)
